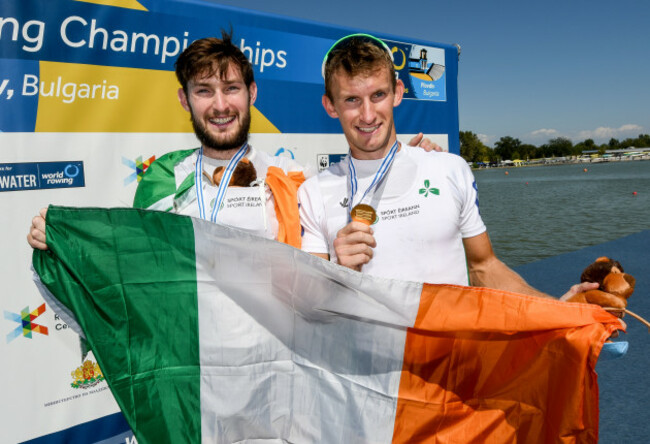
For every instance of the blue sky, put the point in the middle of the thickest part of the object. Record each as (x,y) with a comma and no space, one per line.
(530,70)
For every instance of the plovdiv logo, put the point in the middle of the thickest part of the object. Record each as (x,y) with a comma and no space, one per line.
(138,166)
(26,326)
(422,69)
(87,375)
(428,189)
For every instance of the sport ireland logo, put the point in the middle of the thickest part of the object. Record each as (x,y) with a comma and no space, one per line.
(428,189)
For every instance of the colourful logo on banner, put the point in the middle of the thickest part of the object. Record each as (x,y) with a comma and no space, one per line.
(325,160)
(41,175)
(87,375)
(138,166)
(285,152)
(26,325)
(422,69)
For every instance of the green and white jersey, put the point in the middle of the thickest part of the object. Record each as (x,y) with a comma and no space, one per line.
(168,185)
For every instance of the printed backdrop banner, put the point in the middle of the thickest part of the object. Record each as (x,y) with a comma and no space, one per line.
(88,101)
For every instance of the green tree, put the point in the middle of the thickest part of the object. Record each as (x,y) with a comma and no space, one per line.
(528,151)
(506,146)
(628,143)
(613,143)
(643,141)
(560,146)
(471,148)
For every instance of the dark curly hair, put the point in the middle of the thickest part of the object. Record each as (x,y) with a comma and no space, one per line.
(209,56)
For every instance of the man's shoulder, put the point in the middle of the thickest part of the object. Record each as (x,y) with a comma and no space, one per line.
(438,156)
(325,177)
(441,159)
(332,174)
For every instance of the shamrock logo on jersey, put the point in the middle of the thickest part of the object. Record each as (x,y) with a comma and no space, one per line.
(428,189)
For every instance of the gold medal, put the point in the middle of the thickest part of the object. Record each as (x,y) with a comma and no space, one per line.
(364,213)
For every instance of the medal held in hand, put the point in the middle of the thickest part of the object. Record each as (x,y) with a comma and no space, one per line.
(364,213)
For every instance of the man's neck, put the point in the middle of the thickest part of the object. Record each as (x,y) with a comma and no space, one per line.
(374,155)
(220,154)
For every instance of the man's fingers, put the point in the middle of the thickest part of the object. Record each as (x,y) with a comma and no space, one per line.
(425,143)
(428,146)
(353,245)
(353,227)
(354,249)
(36,237)
(415,141)
(355,261)
(35,243)
(38,223)
(356,237)
(579,288)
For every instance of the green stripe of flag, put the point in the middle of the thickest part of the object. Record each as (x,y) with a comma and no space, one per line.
(141,274)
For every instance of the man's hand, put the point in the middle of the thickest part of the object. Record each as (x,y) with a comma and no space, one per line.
(426,144)
(36,236)
(353,245)
(579,288)
(586,286)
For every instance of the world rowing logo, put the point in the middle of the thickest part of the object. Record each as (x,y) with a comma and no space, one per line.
(26,325)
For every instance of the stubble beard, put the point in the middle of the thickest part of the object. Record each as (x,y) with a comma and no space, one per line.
(209,141)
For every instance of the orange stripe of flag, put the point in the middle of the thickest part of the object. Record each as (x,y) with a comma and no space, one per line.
(484,365)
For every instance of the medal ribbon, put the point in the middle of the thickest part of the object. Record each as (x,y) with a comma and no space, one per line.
(379,175)
(223,185)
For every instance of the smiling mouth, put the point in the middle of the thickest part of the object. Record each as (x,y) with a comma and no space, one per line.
(367,130)
(222,120)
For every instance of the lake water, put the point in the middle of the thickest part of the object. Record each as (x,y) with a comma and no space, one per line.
(536,212)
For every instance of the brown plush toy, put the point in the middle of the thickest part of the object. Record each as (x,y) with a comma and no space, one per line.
(243,175)
(615,285)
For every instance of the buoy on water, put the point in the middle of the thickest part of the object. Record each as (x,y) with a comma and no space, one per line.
(585,170)
(507,173)
(634,193)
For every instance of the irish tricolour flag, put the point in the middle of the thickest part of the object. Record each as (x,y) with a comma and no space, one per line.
(208,334)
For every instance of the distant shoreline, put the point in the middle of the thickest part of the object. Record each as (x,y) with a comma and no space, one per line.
(578,161)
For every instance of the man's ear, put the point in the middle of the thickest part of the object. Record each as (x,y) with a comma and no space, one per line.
(399,93)
(182,97)
(252,93)
(329,107)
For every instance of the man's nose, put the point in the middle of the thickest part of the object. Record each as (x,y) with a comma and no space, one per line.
(219,102)
(368,113)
